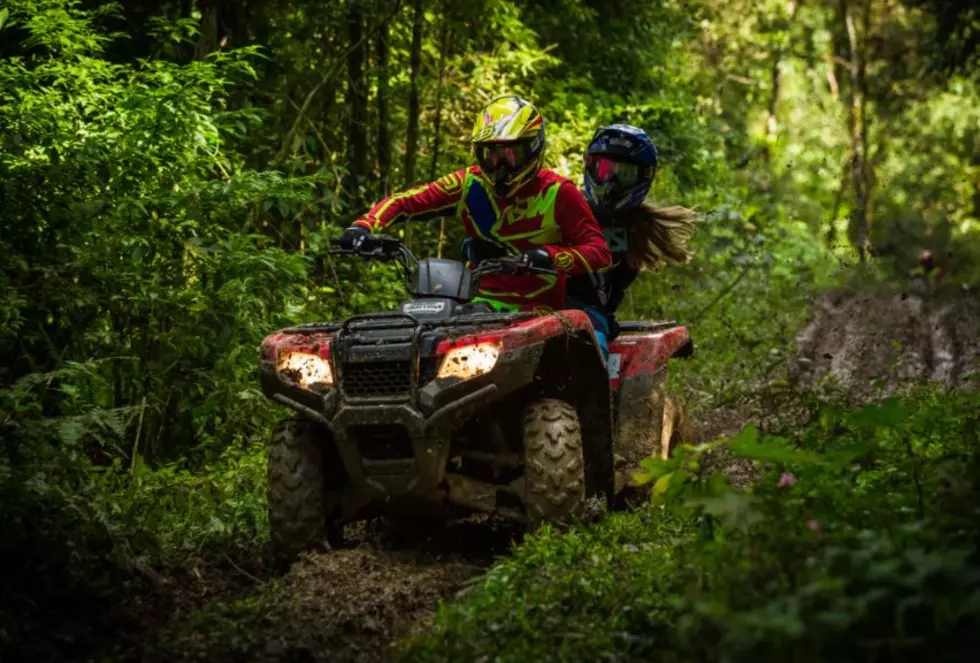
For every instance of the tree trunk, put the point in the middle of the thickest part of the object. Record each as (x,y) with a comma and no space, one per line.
(384,139)
(236,18)
(831,236)
(975,162)
(444,39)
(412,135)
(858,124)
(444,44)
(775,77)
(207,40)
(357,104)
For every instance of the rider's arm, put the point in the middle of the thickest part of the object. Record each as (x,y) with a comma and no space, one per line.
(620,278)
(584,249)
(427,201)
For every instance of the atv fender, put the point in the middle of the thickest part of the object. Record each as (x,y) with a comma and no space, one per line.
(640,396)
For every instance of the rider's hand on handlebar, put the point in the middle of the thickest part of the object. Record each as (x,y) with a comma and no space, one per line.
(538,259)
(351,238)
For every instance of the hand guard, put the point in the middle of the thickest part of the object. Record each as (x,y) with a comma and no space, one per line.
(352,238)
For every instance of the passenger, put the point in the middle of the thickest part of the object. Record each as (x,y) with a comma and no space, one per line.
(620,164)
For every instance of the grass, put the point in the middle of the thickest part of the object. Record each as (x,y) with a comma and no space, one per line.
(866,550)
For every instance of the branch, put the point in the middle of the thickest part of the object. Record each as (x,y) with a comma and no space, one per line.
(744,80)
(721,295)
(340,62)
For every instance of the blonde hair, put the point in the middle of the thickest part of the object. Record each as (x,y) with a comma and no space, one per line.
(659,232)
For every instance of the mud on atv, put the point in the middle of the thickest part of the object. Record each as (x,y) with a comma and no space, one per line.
(446,408)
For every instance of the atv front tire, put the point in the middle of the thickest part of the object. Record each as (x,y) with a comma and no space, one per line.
(298,493)
(554,463)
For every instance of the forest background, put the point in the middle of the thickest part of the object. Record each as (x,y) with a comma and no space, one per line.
(170,173)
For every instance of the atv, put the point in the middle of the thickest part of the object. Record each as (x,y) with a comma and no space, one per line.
(445,408)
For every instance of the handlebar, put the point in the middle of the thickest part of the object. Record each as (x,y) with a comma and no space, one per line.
(383,247)
(380,247)
(511,265)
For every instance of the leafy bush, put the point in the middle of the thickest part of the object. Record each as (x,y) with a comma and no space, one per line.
(75,538)
(860,544)
(137,283)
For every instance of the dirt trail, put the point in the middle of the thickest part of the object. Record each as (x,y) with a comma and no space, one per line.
(341,606)
(348,605)
(876,342)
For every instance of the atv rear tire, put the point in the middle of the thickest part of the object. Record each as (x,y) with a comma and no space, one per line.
(297,491)
(554,463)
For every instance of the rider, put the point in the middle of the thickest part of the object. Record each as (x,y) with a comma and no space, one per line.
(620,164)
(509,205)
(925,274)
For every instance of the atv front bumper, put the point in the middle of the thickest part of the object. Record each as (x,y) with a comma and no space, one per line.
(399,446)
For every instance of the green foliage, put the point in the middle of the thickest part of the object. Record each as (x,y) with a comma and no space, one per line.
(170,175)
(798,567)
(137,285)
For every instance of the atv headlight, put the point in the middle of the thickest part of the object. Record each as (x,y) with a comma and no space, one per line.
(308,370)
(469,361)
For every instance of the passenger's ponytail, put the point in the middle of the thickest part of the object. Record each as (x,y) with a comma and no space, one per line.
(659,232)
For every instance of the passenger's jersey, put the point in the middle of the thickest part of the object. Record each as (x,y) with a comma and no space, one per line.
(549,212)
(605,291)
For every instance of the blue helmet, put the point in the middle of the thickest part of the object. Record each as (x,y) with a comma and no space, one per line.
(620,165)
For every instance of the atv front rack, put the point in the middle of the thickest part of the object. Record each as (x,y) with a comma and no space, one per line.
(477,320)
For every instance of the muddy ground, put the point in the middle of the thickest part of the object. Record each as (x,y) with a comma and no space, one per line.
(348,605)
(874,343)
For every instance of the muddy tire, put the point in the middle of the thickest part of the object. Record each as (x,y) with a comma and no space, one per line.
(554,463)
(298,491)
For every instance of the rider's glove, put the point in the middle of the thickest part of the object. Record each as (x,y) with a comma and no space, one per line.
(538,258)
(352,237)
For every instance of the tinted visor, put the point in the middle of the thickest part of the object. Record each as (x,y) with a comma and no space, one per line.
(502,156)
(607,170)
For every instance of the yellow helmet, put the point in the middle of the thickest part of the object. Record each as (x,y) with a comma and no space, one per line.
(509,142)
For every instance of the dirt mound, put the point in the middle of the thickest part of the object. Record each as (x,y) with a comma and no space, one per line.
(875,342)
(349,605)
(343,606)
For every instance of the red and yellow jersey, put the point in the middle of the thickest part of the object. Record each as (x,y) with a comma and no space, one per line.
(549,212)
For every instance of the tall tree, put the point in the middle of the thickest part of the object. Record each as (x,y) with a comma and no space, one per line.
(445,36)
(357,116)
(412,135)
(207,40)
(444,39)
(857,47)
(775,78)
(384,138)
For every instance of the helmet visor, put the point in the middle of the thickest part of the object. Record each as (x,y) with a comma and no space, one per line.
(509,156)
(607,170)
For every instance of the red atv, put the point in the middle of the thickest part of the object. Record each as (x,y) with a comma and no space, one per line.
(447,408)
